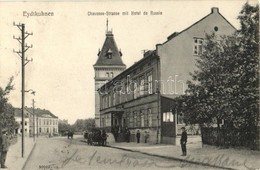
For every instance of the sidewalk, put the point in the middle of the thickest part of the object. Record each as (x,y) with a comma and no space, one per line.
(207,155)
(14,160)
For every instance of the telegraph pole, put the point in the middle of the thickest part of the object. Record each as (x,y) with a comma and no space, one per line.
(33,121)
(21,53)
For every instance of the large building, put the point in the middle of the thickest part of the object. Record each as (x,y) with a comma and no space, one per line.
(37,121)
(108,65)
(141,97)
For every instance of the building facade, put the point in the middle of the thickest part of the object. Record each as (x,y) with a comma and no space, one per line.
(142,97)
(108,65)
(18,119)
(37,121)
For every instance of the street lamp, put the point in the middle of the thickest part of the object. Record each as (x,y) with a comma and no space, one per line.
(31,90)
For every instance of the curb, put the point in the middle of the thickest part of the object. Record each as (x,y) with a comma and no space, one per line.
(173,158)
(29,156)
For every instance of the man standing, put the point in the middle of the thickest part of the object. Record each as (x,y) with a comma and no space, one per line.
(138,136)
(127,135)
(183,141)
(4,148)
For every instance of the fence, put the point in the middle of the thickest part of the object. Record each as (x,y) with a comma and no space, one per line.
(227,137)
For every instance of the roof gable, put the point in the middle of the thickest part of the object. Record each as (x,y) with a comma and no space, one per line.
(214,10)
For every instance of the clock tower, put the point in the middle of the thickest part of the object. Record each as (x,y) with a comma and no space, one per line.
(108,65)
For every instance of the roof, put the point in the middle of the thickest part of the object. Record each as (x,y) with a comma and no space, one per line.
(109,48)
(213,10)
(38,112)
(18,113)
(148,55)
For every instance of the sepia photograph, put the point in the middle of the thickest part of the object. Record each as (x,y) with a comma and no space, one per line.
(135,84)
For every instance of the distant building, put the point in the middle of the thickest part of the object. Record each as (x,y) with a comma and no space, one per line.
(39,121)
(108,65)
(18,119)
(141,97)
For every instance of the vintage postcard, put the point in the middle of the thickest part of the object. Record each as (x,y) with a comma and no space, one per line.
(129,84)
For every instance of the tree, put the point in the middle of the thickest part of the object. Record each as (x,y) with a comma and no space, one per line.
(7,119)
(83,125)
(226,82)
(63,126)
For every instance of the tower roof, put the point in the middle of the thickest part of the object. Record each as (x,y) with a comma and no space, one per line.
(109,54)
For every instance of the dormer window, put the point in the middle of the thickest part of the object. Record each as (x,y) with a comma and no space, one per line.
(109,54)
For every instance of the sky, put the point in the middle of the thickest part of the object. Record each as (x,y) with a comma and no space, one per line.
(65,45)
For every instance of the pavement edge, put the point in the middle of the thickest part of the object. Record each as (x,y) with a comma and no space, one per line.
(173,158)
(28,156)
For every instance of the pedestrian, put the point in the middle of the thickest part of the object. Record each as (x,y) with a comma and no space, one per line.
(128,135)
(183,141)
(104,138)
(4,147)
(146,136)
(138,136)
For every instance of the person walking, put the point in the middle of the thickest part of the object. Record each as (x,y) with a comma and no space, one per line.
(138,136)
(183,141)
(4,147)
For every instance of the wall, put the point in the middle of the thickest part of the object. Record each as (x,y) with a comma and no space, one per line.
(52,123)
(101,78)
(26,126)
(177,59)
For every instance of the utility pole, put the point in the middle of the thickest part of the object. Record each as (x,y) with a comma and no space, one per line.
(33,121)
(37,125)
(21,53)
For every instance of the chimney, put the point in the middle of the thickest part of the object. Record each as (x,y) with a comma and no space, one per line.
(214,10)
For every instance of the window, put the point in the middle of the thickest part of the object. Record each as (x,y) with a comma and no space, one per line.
(198,42)
(135,119)
(142,86)
(112,74)
(150,83)
(40,130)
(103,121)
(142,119)
(216,28)
(167,117)
(127,119)
(150,117)
(103,102)
(119,97)
(114,98)
(109,54)
(109,100)
(108,121)
(25,123)
(136,90)
(107,73)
